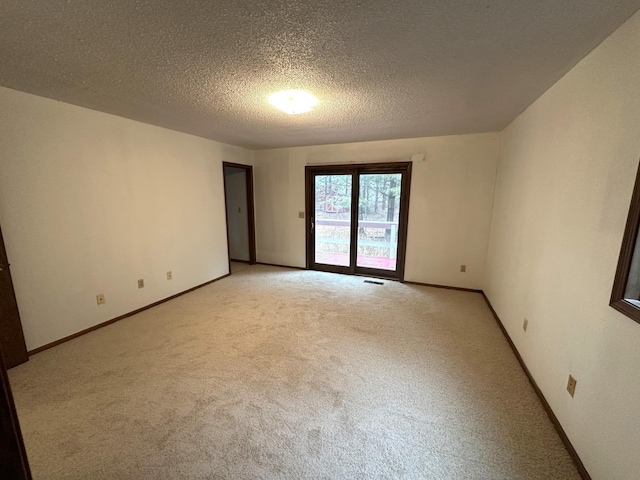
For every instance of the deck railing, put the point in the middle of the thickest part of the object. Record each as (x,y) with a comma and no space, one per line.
(391,244)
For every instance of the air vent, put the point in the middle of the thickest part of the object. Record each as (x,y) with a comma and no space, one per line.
(374,282)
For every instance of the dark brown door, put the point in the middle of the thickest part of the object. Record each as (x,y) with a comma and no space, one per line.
(11,336)
(357,218)
(13,457)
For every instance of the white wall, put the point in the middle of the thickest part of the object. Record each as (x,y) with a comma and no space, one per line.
(566,172)
(449,214)
(237,214)
(90,203)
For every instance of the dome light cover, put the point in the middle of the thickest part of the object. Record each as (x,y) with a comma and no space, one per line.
(293,102)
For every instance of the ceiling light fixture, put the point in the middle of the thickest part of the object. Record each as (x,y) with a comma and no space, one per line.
(293,101)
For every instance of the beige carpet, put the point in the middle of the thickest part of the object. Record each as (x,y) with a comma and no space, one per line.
(237,266)
(283,374)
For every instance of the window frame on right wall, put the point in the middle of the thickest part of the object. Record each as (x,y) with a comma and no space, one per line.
(625,261)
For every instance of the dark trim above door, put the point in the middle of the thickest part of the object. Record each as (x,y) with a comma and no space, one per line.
(250,210)
(356,169)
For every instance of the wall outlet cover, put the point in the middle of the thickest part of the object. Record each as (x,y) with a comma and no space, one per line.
(100,299)
(141,283)
(169,275)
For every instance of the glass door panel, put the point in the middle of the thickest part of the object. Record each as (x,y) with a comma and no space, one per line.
(378,220)
(332,219)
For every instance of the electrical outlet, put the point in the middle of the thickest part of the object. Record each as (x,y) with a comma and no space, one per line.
(100,299)
(141,283)
(571,385)
(463,268)
(300,214)
(169,275)
(525,324)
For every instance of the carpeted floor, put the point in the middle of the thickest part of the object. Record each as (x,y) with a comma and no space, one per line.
(281,374)
(237,266)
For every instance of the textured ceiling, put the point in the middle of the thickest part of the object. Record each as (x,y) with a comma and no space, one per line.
(381,69)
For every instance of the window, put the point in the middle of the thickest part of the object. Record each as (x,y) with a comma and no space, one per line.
(625,296)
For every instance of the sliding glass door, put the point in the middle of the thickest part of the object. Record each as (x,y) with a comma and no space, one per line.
(357,218)
(332,222)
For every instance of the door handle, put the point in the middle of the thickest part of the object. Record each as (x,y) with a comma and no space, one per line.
(312,224)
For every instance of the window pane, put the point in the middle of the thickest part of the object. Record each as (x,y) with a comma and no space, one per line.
(333,219)
(378,218)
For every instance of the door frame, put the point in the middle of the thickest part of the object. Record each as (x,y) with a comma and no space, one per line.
(13,456)
(356,169)
(250,210)
(15,347)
